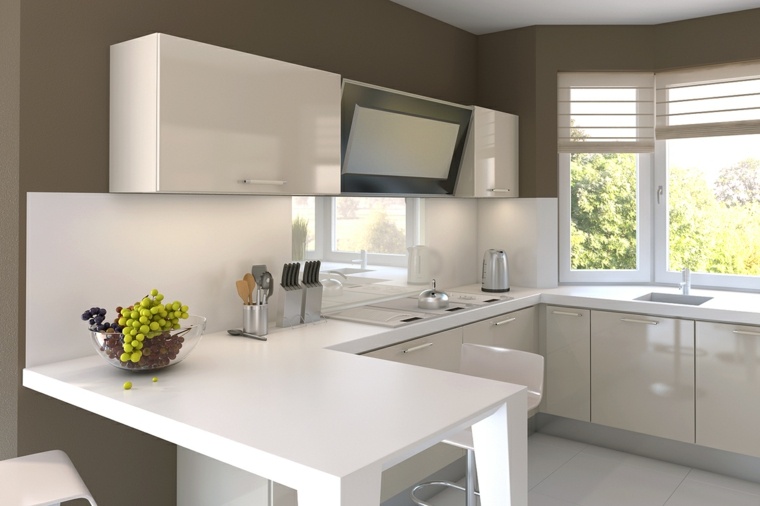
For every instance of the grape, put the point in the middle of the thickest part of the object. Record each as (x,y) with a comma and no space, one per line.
(141,335)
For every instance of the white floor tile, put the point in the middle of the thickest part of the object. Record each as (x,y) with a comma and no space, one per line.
(724,481)
(546,454)
(598,477)
(567,473)
(698,493)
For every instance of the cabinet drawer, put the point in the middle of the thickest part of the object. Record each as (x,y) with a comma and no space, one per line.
(436,351)
(516,330)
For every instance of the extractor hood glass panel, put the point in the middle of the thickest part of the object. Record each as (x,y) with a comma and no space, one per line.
(394,144)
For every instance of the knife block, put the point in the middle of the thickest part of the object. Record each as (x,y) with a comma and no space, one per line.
(289,310)
(311,304)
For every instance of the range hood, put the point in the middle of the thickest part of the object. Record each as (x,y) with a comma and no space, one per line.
(396,143)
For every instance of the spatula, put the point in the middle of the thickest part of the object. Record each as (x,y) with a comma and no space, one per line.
(242,290)
(251,285)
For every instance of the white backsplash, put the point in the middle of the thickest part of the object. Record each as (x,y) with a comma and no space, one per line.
(78,257)
(527,230)
(451,234)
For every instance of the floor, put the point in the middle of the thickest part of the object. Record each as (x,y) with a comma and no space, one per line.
(567,473)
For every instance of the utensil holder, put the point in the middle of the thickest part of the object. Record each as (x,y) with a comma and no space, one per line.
(289,311)
(311,305)
(255,319)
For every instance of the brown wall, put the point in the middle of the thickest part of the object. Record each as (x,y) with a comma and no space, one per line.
(538,53)
(64,126)
(64,145)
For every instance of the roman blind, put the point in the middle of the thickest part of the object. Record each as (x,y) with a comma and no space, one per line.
(605,112)
(708,101)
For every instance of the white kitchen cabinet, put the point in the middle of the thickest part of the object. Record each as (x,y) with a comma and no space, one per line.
(188,117)
(728,387)
(516,330)
(642,374)
(567,390)
(437,351)
(490,164)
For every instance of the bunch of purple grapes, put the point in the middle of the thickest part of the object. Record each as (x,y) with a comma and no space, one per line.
(96,317)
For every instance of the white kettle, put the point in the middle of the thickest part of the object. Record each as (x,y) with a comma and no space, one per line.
(418,265)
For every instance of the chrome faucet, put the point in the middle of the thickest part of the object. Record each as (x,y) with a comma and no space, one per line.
(362,260)
(685,284)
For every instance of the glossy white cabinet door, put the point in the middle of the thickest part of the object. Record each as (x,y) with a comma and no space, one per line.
(728,387)
(517,330)
(567,391)
(642,374)
(437,351)
(188,117)
(490,164)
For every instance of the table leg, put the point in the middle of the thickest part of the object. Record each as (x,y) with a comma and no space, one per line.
(361,488)
(501,454)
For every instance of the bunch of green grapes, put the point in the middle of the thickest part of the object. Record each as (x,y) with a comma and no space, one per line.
(145,320)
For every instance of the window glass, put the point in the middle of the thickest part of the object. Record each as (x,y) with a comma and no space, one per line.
(713,197)
(603,211)
(377,225)
(304,226)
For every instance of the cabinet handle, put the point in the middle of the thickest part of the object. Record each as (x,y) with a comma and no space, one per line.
(499,190)
(264,181)
(418,347)
(496,324)
(746,332)
(632,320)
(566,313)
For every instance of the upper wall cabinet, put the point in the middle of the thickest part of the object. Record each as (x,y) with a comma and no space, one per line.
(188,117)
(490,162)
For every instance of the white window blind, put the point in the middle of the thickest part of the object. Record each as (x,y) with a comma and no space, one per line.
(708,101)
(605,112)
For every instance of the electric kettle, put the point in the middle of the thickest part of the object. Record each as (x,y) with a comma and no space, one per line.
(495,271)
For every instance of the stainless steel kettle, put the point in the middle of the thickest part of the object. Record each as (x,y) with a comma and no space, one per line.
(495,271)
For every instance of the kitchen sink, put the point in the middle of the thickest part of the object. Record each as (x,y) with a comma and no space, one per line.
(674,298)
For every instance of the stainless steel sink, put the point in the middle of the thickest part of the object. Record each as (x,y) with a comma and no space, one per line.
(674,298)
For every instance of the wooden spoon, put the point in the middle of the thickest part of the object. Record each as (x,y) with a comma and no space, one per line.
(242,290)
(251,281)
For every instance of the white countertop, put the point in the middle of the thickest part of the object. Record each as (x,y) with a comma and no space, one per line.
(295,408)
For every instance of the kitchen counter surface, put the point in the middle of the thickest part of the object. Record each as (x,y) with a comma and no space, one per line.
(296,410)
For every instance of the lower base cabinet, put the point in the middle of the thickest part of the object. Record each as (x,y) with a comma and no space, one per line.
(567,386)
(728,387)
(437,351)
(642,374)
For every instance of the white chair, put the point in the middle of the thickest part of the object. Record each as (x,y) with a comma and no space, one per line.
(501,364)
(41,479)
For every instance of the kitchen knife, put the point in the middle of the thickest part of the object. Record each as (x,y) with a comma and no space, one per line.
(284,282)
(296,272)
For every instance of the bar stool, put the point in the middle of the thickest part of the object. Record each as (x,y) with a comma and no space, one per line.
(41,479)
(501,364)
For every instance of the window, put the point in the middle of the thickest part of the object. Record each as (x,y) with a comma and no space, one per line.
(606,135)
(708,154)
(337,229)
(701,209)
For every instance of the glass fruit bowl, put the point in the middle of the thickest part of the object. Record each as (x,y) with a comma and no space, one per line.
(167,348)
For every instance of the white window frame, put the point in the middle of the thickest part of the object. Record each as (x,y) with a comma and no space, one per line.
(643,271)
(325,235)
